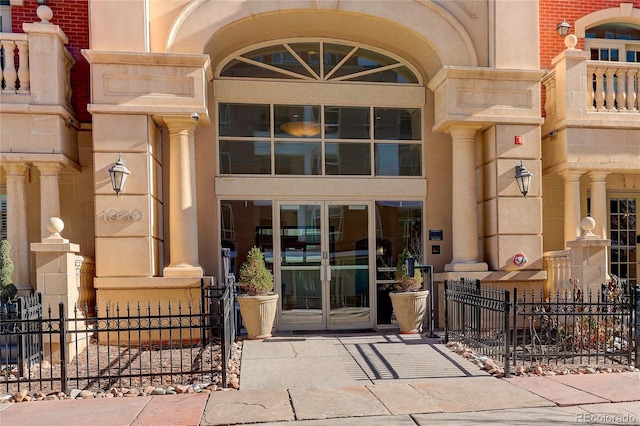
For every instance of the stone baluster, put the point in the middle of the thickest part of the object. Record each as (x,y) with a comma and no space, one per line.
(621,93)
(609,96)
(631,89)
(599,90)
(591,94)
(10,74)
(23,66)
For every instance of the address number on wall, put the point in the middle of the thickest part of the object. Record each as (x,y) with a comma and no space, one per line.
(125,215)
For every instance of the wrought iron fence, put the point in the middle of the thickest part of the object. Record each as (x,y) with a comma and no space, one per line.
(136,345)
(478,317)
(572,327)
(20,339)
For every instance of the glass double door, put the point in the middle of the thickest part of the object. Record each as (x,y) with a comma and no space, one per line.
(322,265)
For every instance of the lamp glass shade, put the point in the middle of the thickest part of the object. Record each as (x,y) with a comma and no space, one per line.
(119,174)
(523,179)
(563,28)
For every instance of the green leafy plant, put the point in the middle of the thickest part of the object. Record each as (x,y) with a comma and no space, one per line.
(403,281)
(255,278)
(8,290)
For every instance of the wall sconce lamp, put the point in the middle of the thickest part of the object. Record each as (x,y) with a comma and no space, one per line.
(119,174)
(41,1)
(563,28)
(523,178)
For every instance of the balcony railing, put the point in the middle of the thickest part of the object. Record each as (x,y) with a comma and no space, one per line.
(14,73)
(614,86)
(558,267)
(19,84)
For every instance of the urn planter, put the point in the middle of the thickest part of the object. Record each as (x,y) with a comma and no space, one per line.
(410,308)
(258,314)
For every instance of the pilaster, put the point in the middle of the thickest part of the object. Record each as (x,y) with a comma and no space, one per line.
(464,226)
(571,204)
(599,202)
(49,193)
(183,216)
(17,236)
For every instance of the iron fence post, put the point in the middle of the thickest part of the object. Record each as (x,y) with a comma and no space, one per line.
(507,305)
(446,311)
(514,326)
(63,348)
(636,308)
(477,317)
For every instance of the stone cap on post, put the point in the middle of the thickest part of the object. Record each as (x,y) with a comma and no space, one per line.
(55,242)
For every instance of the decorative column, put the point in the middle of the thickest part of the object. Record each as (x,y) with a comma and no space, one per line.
(183,217)
(599,202)
(464,226)
(17,224)
(571,205)
(49,193)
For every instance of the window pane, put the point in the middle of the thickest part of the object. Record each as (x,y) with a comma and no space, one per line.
(297,121)
(398,226)
(347,159)
(309,53)
(245,157)
(397,124)
(244,120)
(244,223)
(346,122)
(240,69)
(398,160)
(298,158)
(615,56)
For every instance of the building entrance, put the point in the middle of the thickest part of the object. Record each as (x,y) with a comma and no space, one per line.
(322,265)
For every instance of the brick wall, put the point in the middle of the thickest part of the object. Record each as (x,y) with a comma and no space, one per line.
(73,18)
(552,12)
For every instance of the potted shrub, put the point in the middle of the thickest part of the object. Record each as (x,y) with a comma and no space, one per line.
(258,302)
(409,300)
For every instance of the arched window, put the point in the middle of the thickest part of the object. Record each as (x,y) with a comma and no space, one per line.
(617,42)
(319,61)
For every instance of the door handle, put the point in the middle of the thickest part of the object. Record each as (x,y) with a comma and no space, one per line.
(323,273)
(328,273)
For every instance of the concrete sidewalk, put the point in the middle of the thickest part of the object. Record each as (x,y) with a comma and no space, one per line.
(360,379)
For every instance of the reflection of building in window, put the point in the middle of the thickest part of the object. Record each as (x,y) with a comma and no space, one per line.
(227,229)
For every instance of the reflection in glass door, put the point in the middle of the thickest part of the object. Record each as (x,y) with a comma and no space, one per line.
(348,229)
(323,275)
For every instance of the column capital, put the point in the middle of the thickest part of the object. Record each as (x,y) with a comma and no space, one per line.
(48,168)
(179,123)
(16,168)
(598,175)
(461,131)
(572,175)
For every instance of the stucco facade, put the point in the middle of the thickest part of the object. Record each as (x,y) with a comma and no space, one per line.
(464,85)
